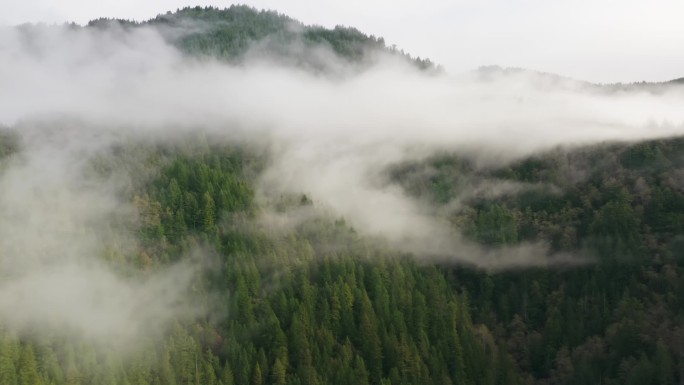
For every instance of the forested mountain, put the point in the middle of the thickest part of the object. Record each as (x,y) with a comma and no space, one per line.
(554,80)
(301,312)
(314,301)
(240,32)
(298,311)
(619,318)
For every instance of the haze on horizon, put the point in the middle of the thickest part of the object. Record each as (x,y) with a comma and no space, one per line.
(603,42)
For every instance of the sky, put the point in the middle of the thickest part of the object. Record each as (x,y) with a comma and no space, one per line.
(596,40)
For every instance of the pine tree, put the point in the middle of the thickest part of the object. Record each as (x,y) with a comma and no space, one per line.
(256,377)
(208,212)
(28,371)
(8,374)
(278,372)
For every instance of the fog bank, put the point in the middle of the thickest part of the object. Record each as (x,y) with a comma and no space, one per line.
(330,137)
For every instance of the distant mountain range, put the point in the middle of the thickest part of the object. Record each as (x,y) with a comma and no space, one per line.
(488,72)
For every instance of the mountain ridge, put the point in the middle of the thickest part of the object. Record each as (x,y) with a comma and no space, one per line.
(229,34)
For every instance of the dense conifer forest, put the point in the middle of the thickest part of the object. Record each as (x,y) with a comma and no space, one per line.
(315,302)
(233,33)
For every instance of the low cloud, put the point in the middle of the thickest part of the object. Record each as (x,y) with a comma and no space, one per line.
(331,138)
(60,221)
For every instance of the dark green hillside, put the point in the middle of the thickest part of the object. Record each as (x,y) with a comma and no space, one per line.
(617,320)
(285,308)
(311,301)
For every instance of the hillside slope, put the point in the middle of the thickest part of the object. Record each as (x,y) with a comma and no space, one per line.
(241,32)
(275,289)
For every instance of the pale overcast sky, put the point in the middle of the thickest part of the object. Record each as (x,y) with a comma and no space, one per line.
(596,40)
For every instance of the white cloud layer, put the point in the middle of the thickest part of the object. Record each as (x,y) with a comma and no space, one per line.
(330,138)
(601,41)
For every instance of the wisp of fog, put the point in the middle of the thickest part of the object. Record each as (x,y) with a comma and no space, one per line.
(330,137)
(57,220)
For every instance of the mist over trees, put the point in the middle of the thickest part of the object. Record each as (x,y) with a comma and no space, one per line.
(237,32)
(208,259)
(616,319)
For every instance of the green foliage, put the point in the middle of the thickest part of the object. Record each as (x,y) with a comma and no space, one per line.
(317,304)
(299,311)
(616,320)
(534,169)
(232,33)
(653,155)
(440,178)
(494,225)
